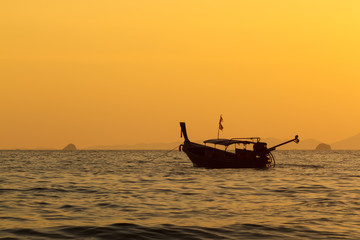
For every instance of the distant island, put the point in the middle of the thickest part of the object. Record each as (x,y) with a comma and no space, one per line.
(351,143)
(323,147)
(70,147)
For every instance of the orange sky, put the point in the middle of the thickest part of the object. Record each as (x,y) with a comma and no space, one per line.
(114,72)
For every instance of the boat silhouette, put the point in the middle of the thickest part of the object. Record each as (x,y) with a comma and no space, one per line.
(202,155)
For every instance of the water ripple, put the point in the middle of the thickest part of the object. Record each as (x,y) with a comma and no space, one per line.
(137,195)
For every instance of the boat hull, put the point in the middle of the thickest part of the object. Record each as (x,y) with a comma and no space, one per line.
(209,157)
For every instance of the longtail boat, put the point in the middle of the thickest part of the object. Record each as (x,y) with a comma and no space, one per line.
(202,155)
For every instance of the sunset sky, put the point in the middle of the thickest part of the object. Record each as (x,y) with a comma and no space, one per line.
(123,72)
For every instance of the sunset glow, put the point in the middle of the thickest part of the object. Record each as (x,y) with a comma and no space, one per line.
(125,72)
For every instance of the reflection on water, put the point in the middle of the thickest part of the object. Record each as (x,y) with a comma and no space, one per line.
(149,195)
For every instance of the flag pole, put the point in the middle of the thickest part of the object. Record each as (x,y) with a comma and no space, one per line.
(220,125)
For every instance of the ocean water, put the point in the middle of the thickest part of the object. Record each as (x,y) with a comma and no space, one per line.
(160,195)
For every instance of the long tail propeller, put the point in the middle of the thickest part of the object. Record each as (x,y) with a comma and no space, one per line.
(295,140)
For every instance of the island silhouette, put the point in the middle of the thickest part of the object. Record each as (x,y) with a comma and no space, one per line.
(70,147)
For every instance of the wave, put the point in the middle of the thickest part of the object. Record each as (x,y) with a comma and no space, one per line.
(43,189)
(301,166)
(169,231)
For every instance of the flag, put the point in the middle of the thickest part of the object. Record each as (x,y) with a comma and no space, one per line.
(220,121)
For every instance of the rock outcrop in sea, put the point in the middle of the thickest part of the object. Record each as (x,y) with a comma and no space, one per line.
(323,146)
(70,147)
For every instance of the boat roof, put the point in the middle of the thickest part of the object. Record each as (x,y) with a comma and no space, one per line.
(227,142)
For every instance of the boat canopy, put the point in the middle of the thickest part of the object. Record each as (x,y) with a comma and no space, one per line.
(227,142)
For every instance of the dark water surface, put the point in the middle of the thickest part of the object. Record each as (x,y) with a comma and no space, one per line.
(154,195)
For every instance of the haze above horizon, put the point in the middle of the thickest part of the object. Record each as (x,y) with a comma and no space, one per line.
(124,72)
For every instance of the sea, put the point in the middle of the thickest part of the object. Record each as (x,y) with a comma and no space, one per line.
(160,195)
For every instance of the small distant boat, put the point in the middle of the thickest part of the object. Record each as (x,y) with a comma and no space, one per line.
(202,155)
